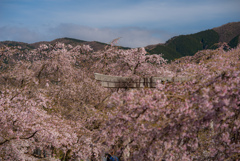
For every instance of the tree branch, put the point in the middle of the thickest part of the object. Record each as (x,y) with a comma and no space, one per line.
(6,140)
(29,136)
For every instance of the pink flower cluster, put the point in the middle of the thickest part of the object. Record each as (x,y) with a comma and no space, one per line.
(52,108)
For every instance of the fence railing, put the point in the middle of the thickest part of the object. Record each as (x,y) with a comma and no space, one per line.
(127,82)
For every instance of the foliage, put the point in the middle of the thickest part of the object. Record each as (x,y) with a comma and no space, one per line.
(52,108)
(207,38)
(234,42)
(165,50)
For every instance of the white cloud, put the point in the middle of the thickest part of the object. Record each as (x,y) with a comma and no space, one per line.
(135,21)
(130,36)
(19,34)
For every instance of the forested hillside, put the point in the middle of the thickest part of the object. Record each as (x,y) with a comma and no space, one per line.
(188,45)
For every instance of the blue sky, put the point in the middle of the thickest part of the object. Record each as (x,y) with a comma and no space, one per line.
(137,22)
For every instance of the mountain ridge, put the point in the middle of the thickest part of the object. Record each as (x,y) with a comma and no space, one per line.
(174,48)
(228,31)
(74,42)
(188,45)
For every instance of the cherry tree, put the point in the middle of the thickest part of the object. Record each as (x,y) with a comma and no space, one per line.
(195,120)
(52,108)
(131,62)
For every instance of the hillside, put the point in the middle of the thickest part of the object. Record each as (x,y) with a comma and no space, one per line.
(228,31)
(74,42)
(187,45)
(176,47)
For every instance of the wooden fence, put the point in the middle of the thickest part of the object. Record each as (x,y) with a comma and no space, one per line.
(127,82)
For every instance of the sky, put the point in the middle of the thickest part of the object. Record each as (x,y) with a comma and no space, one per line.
(138,22)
